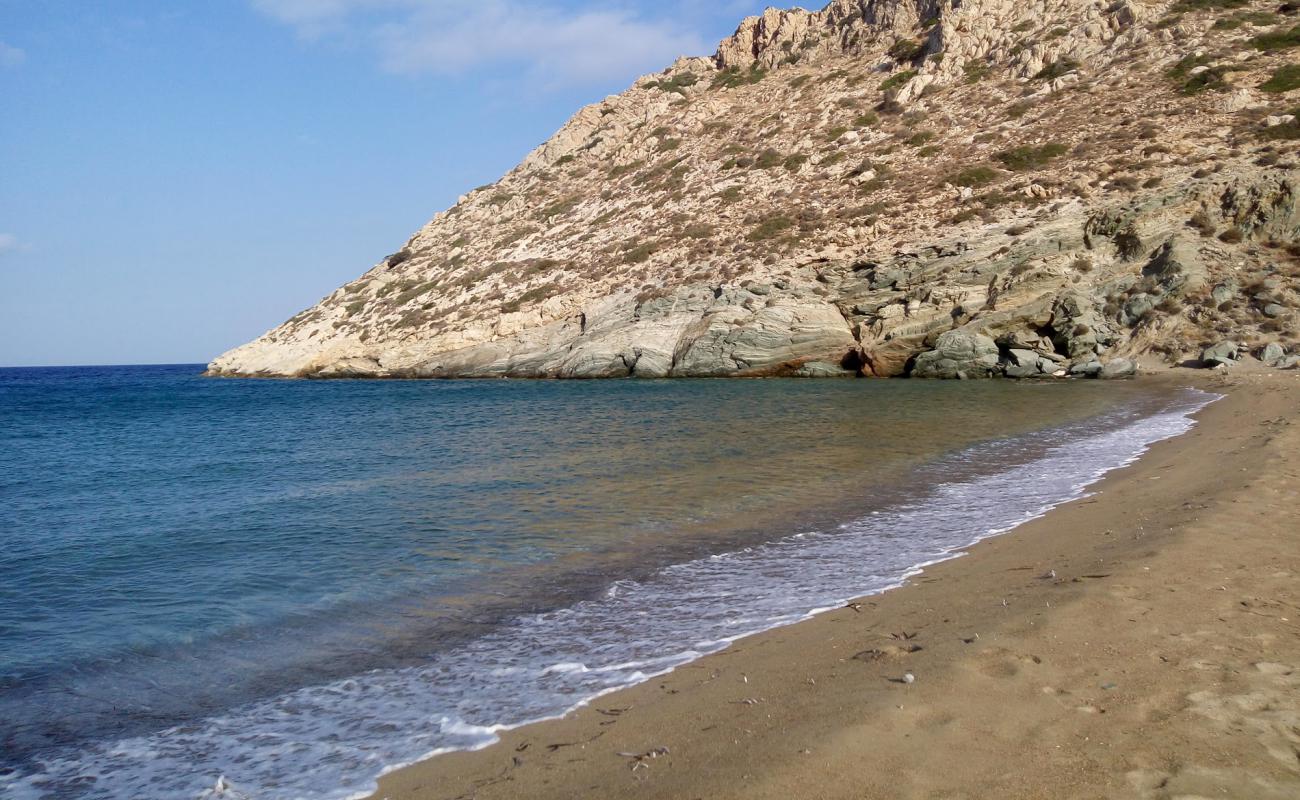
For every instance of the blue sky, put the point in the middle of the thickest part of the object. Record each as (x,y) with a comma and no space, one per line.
(177,177)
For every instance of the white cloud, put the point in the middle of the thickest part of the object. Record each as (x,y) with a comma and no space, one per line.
(9,244)
(455,36)
(11,56)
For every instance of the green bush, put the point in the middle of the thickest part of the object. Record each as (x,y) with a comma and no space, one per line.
(898,81)
(973,176)
(768,159)
(1188,6)
(1282,133)
(678,83)
(414,292)
(1030,157)
(730,194)
(866,120)
(795,161)
(1209,79)
(1284,79)
(906,50)
(976,71)
(562,206)
(832,159)
(625,169)
(1054,70)
(770,228)
(733,77)
(636,253)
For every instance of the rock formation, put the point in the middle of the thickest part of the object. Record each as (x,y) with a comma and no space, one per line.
(939,188)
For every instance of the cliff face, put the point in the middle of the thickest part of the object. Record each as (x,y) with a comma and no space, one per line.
(883,187)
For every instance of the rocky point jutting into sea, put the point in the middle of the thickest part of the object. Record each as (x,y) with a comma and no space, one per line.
(934,188)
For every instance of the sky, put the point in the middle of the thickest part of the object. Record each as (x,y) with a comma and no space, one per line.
(177,177)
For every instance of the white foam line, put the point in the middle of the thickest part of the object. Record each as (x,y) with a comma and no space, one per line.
(836,605)
(672,590)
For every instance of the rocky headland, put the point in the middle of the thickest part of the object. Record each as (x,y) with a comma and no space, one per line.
(933,188)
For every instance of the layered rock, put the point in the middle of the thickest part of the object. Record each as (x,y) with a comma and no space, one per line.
(882,187)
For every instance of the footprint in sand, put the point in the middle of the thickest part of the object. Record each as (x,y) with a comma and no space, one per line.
(1002,663)
(1269,711)
(1193,782)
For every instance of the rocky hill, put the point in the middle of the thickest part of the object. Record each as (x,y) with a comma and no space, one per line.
(945,188)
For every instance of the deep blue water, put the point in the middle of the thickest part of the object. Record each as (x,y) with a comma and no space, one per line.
(185,563)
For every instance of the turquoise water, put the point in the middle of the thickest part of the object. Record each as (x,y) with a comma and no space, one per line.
(297,584)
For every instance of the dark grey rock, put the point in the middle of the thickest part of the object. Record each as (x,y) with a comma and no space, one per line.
(1137,306)
(1087,369)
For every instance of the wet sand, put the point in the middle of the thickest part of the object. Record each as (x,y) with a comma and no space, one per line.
(1143,642)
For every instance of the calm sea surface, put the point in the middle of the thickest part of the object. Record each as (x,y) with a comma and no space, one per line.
(298,584)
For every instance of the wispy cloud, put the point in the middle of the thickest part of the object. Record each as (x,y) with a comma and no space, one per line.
(557,45)
(11,56)
(10,244)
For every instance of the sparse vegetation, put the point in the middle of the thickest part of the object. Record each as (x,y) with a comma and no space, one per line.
(896,82)
(1029,157)
(1188,6)
(976,71)
(1285,78)
(1056,69)
(562,206)
(678,83)
(635,252)
(770,228)
(973,176)
(906,50)
(734,77)
(1277,40)
(768,159)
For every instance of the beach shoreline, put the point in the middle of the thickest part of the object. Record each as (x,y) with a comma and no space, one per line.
(1029,679)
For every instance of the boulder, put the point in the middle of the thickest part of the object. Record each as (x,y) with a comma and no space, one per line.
(1086,369)
(1223,354)
(1223,293)
(959,354)
(1027,364)
(1119,368)
(1137,307)
(1272,354)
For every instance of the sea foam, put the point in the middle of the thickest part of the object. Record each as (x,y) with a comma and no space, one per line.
(333,741)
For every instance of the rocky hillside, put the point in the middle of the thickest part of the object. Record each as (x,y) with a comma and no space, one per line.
(943,188)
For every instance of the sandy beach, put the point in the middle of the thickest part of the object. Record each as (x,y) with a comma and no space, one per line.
(1142,642)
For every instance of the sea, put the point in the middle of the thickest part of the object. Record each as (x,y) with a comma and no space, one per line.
(299,585)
